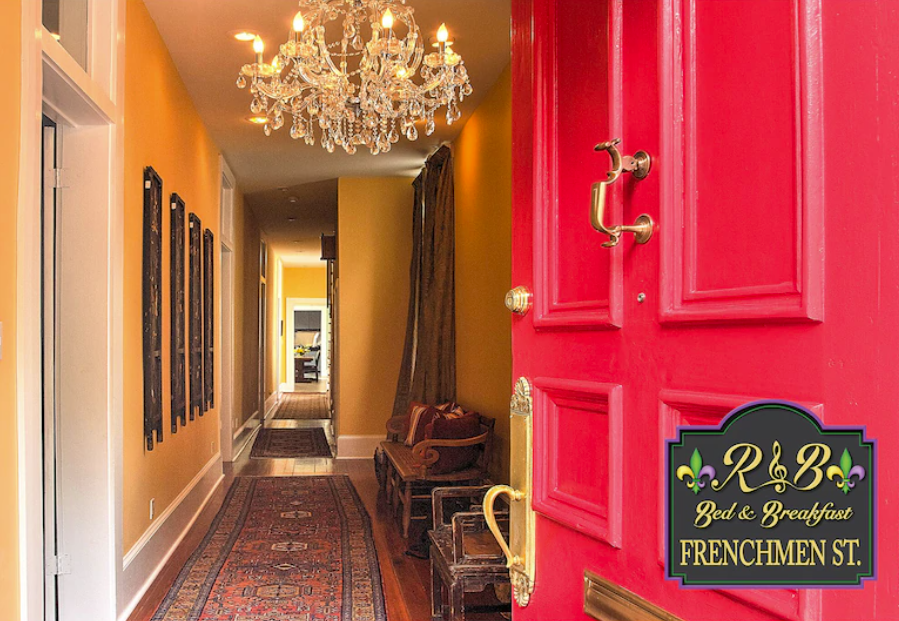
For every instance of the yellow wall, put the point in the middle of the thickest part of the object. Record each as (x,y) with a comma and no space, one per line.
(483,168)
(305,282)
(374,251)
(300,282)
(163,130)
(10,97)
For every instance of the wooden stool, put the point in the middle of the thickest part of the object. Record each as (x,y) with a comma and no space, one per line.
(465,557)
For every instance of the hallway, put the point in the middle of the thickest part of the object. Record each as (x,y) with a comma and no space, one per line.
(405,579)
(345,253)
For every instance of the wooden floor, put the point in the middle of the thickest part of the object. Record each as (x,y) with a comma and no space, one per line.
(406,579)
(310,386)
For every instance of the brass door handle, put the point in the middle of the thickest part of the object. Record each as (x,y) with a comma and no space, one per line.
(638,165)
(521,548)
(490,516)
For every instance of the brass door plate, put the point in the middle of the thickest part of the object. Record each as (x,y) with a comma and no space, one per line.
(521,549)
(606,601)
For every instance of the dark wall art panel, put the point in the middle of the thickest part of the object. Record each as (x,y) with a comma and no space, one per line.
(152,306)
(195,265)
(179,329)
(208,318)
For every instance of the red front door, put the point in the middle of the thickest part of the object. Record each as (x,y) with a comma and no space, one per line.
(773,271)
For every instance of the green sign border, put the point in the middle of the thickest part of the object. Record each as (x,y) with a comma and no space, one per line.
(732,417)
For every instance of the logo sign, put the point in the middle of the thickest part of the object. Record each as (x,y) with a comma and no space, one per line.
(770,498)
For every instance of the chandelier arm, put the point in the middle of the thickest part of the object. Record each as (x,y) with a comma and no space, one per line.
(325,54)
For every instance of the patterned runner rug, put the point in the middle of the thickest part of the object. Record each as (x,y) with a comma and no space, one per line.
(298,548)
(287,443)
(305,406)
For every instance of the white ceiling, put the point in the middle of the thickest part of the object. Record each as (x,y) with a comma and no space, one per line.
(199,35)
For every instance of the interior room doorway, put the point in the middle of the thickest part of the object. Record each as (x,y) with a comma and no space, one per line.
(263,313)
(229,422)
(74,333)
(228,417)
(307,341)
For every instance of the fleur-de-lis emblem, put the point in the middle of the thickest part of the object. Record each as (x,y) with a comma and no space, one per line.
(693,475)
(844,472)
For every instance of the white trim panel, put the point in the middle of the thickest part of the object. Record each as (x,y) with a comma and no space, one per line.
(357,447)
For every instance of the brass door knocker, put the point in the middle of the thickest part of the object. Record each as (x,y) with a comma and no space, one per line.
(638,165)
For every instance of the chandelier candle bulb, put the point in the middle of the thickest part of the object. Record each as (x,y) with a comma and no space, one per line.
(299,23)
(387,20)
(259,48)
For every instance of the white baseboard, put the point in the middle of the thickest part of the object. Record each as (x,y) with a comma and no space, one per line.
(148,556)
(252,421)
(357,447)
(251,424)
(271,403)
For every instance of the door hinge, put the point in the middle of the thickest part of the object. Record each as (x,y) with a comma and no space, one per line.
(59,565)
(58,181)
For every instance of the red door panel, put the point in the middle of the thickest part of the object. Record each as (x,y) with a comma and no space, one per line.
(577,286)
(741,137)
(774,271)
(584,494)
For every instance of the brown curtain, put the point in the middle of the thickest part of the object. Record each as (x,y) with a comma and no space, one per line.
(404,385)
(428,374)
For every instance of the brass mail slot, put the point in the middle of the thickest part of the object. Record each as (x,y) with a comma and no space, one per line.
(607,601)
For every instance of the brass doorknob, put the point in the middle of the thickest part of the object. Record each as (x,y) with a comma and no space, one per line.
(519,300)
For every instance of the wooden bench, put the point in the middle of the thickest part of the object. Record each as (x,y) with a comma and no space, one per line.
(404,471)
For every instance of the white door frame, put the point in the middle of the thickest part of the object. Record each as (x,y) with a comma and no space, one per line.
(313,304)
(225,379)
(50,215)
(87,105)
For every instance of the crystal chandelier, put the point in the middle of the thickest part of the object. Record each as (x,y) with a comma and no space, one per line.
(358,92)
